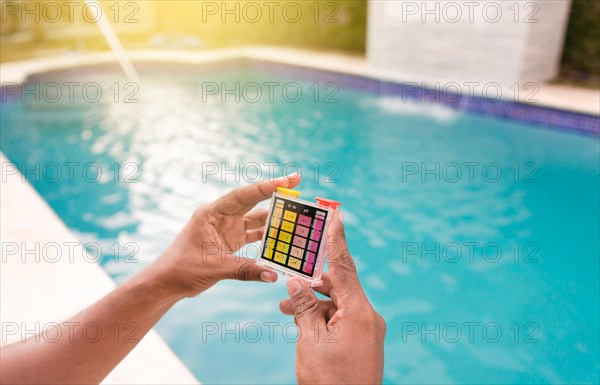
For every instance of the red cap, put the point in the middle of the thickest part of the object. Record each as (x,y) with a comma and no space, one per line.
(328,203)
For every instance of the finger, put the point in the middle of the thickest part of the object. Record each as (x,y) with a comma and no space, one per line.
(286,306)
(342,269)
(326,287)
(256,218)
(306,306)
(243,269)
(327,307)
(254,235)
(241,200)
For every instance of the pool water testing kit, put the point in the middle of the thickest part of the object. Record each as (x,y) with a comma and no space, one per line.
(295,235)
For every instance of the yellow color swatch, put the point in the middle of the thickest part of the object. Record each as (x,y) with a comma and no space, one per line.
(289,216)
(283,247)
(286,237)
(273,232)
(280,257)
(287,226)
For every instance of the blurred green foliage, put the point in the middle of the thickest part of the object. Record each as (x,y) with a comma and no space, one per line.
(29,29)
(328,25)
(322,24)
(581,55)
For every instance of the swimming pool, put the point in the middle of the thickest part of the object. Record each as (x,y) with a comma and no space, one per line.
(475,237)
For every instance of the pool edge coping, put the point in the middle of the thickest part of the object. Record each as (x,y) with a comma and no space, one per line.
(566,116)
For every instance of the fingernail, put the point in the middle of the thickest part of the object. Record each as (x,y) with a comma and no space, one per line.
(290,176)
(294,287)
(267,276)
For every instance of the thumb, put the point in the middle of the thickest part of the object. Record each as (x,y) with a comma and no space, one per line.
(305,303)
(342,269)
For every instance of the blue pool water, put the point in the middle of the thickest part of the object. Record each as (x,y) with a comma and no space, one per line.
(476,238)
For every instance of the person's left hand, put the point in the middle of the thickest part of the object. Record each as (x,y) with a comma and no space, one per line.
(202,253)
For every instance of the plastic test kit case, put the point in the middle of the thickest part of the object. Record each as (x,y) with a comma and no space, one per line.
(295,235)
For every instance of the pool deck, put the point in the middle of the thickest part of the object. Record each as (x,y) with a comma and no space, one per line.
(36,292)
(562,97)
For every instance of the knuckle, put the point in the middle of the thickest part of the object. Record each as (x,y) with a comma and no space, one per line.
(342,258)
(305,305)
(205,214)
(372,320)
(263,190)
(347,263)
(347,277)
(236,196)
(242,272)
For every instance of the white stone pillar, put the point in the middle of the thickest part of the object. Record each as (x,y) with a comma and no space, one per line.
(467,41)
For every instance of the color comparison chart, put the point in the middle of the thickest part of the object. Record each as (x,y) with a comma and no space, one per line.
(294,235)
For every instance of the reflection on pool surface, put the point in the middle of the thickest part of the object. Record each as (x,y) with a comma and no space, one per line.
(475,238)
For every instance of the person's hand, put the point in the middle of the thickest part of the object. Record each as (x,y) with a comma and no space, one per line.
(199,257)
(340,340)
(202,253)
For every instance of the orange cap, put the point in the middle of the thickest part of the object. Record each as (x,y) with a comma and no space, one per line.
(328,203)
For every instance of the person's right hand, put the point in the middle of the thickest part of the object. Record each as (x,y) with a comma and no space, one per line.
(340,340)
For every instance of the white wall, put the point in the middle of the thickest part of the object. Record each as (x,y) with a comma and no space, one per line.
(467,41)
(545,41)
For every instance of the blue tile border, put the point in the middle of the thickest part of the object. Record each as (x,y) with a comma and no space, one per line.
(515,111)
